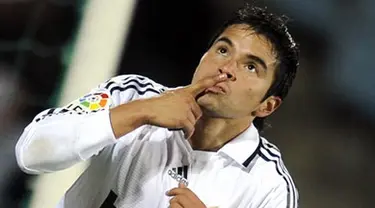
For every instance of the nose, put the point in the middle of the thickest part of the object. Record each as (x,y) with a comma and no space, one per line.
(229,69)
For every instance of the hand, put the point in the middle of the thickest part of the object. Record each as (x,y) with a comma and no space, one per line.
(184,198)
(178,109)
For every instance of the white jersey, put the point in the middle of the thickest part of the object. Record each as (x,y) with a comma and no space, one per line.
(137,169)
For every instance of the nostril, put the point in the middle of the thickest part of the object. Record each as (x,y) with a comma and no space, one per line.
(231,77)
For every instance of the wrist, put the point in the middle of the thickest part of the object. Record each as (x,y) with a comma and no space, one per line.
(127,117)
(141,112)
(146,112)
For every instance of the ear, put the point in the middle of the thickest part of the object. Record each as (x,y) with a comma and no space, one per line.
(268,106)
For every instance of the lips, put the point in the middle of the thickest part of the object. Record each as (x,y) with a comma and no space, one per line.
(216,89)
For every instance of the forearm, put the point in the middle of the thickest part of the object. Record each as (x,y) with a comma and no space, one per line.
(58,138)
(127,117)
(61,142)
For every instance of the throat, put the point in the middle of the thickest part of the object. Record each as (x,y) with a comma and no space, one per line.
(205,146)
(214,134)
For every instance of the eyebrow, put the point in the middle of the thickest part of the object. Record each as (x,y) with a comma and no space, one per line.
(249,56)
(258,60)
(226,40)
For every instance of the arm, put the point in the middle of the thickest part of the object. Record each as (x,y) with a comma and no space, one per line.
(58,138)
(281,196)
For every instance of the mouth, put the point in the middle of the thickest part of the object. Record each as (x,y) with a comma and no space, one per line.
(216,90)
(212,90)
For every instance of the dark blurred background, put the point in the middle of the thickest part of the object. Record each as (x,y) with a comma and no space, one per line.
(324,129)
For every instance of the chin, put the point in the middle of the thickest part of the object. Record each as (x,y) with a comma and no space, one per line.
(209,106)
(206,100)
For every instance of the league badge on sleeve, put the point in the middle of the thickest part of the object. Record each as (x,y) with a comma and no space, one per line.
(95,101)
(91,102)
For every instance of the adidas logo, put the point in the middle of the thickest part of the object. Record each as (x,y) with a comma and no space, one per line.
(179,174)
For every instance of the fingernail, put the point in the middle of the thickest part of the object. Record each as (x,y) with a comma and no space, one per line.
(166,193)
(222,76)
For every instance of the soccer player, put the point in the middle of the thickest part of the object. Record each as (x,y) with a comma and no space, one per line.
(187,147)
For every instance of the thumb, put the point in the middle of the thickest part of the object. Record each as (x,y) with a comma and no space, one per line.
(181,185)
(205,83)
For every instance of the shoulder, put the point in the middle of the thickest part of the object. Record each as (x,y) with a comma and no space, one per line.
(270,162)
(272,171)
(136,82)
(269,157)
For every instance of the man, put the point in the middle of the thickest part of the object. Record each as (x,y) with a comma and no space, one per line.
(193,146)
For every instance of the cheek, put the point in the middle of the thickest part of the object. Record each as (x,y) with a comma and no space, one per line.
(253,93)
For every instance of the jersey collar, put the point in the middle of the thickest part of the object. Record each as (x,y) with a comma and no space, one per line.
(243,147)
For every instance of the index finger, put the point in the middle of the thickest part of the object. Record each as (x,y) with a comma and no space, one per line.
(203,84)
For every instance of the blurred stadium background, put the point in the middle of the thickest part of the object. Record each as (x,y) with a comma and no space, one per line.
(53,51)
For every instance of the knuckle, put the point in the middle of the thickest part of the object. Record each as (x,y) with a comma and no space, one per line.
(180,123)
(189,98)
(186,101)
(173,200)
(185,122)
(186,110)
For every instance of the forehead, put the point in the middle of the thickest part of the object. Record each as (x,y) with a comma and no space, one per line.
(246,40)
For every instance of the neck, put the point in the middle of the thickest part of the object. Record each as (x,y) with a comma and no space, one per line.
(213,133)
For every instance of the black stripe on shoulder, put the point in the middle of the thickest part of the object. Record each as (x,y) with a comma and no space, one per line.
(48,113)
(126,81)
(139,91)
(109,84)
(269,145)
(276,159)
(135,83)
(269,160)
(141,78)
(269,151)
(288,184)
(138,83)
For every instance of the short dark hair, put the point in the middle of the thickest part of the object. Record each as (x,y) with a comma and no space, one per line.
(274,28)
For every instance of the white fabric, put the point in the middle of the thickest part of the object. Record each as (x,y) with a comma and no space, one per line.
(142,165)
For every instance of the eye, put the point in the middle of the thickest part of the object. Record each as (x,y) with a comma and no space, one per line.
(251,67)
(222,50)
